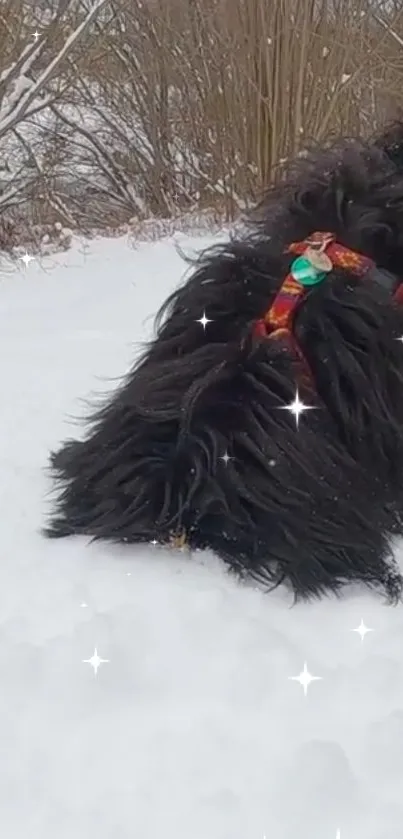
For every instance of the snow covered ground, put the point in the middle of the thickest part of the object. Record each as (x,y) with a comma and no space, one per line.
(193,728)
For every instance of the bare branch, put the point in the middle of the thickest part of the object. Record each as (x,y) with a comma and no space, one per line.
(21,105)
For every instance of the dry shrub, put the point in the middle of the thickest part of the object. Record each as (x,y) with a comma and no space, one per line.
(174,107)
(207,98)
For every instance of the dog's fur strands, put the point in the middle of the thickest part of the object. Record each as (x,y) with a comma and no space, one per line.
(314,507)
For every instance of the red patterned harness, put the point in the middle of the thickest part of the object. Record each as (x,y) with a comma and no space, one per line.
(278,320)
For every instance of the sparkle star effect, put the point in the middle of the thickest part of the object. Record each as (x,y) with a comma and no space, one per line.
(95,661)
(26,259)
(362,630)
(226,458)
(400,338)
(204,321)
(35,35)
(297,407)
(305,678)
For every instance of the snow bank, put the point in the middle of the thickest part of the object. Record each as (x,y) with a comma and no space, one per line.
(193,727)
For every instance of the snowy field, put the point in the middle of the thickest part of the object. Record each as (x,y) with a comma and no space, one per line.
(192,728)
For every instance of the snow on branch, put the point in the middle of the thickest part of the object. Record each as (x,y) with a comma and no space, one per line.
(388,28)
(20,67)
(106,162)
(22,100)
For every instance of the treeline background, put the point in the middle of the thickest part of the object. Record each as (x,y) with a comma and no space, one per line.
(113,112)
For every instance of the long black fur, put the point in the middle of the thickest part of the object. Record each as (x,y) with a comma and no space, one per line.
(313,507)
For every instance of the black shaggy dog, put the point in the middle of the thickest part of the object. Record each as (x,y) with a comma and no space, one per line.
(196,446)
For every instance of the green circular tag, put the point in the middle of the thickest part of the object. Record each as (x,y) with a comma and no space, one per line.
(304,272)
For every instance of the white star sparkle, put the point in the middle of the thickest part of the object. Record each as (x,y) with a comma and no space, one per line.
(226,458)
(154,542)
(35,35)
(204,321)
(26,259)
(297,407)
(305,678)
(400,338)
(95,661)
(362,630)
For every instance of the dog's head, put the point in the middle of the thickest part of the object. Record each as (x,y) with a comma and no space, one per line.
(353,188)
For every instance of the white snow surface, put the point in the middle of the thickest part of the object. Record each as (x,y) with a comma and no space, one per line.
(193,728)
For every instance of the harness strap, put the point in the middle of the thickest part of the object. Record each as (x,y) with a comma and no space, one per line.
(316,256)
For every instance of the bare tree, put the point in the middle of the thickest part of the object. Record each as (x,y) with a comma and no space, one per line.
(115,109)
(21,93)
(35,74)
